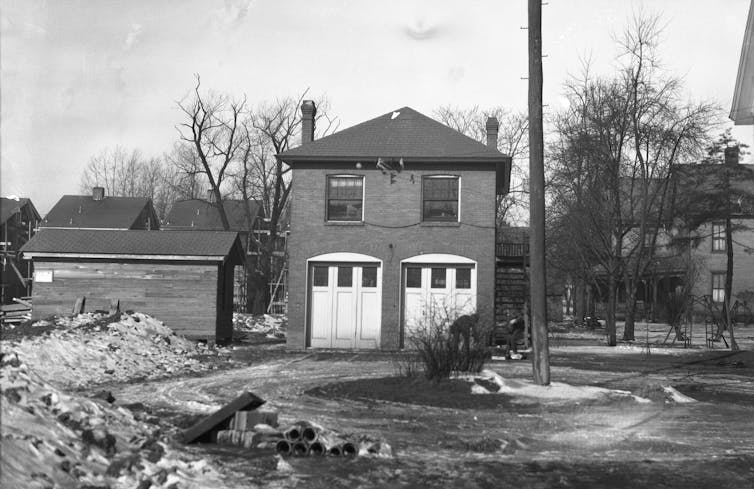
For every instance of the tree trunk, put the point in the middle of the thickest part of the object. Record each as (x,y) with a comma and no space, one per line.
(612,300)
(727,319)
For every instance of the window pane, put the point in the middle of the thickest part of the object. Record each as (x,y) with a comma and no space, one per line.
(369,277)
(345,198)
(438,210)
(320,277)
(413,277)
(345,276)
(438,278)
(718,287)
(463,278)
(441,188)
(344,210)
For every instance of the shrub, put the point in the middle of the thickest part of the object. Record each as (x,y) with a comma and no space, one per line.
(444,349)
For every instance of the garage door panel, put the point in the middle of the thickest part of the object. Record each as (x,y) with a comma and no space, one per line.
(320,318)
(370,319)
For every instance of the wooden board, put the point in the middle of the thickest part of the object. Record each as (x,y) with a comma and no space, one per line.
(221,418)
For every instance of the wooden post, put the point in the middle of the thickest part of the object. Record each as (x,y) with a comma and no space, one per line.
(78,307)
(541,354)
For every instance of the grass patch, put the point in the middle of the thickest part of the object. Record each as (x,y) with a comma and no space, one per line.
(455,394)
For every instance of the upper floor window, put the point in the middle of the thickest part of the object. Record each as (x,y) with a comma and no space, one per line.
(440,198)
(345,198)
(718,237)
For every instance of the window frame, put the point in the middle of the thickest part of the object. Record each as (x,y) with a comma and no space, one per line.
(720,289)
(718,237)
(425,178)
(360,219)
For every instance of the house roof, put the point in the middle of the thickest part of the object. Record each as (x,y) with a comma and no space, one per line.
(82,211)
(8,207)
(202,215)
(742,109)
(403,133)
(133,244)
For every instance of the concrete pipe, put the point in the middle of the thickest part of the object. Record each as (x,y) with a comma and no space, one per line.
(299,449)
(283,447)
(316,449)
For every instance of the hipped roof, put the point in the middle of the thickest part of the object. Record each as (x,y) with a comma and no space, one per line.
(202,215)
(402,133)
(82,211)
(135,245)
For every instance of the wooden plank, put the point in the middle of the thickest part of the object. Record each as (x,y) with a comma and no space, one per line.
(221,418)
(21,301)
(78,307)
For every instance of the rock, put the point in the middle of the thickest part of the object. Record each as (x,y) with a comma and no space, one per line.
(105,395)
(100,438)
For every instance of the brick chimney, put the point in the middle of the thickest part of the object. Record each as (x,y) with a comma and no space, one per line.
(98,193)
(492,127)
(731,155)
(308,113)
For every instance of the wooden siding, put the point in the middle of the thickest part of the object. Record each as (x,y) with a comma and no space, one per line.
(183,296)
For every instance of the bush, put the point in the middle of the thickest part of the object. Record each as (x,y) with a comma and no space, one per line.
(446,346)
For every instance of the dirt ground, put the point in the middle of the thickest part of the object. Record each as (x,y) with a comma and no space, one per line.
(513,442)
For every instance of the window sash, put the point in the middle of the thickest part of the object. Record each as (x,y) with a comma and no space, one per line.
(718,287)
(345,198)
(440,198)
(718,237)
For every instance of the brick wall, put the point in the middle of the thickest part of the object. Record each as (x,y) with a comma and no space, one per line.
(397,207)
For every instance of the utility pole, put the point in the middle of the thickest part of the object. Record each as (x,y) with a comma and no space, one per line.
(540,347)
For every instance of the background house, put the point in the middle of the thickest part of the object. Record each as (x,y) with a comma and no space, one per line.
(18,221)
(245,218)
(184,278)
(392,223)
(98,211)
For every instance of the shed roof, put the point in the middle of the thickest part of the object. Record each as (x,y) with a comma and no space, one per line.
(202,215)
(82,211)
(135,245)
(402,133)
(8,207)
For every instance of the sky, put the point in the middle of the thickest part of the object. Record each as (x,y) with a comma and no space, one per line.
(77,77)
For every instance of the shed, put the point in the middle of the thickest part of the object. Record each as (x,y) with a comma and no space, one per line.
(184,278)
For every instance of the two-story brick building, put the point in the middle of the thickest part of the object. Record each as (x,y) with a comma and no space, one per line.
(391,220)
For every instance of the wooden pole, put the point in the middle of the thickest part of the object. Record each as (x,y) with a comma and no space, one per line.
(540,347)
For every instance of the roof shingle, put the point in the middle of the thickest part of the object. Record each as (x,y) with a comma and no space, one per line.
(403,133)
(202,215)
(211,244)
(82,211)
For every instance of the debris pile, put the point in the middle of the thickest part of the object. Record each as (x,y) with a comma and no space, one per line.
(241,423)
(270,326)
(92,348)
(52,439)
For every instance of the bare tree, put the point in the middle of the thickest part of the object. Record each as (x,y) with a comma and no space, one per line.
(512,140)
(128,173)
(270,129)
(212,128)
(613,158)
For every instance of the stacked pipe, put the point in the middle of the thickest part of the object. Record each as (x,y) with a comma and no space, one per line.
(251,429)
(304,438)
(300,439)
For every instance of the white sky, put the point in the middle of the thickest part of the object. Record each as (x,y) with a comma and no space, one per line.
(79,76)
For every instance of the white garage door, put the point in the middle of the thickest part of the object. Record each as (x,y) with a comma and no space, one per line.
(436,294)
(345,309)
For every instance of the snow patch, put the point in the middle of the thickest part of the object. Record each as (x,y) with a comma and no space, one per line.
(675,396)
(555,391)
